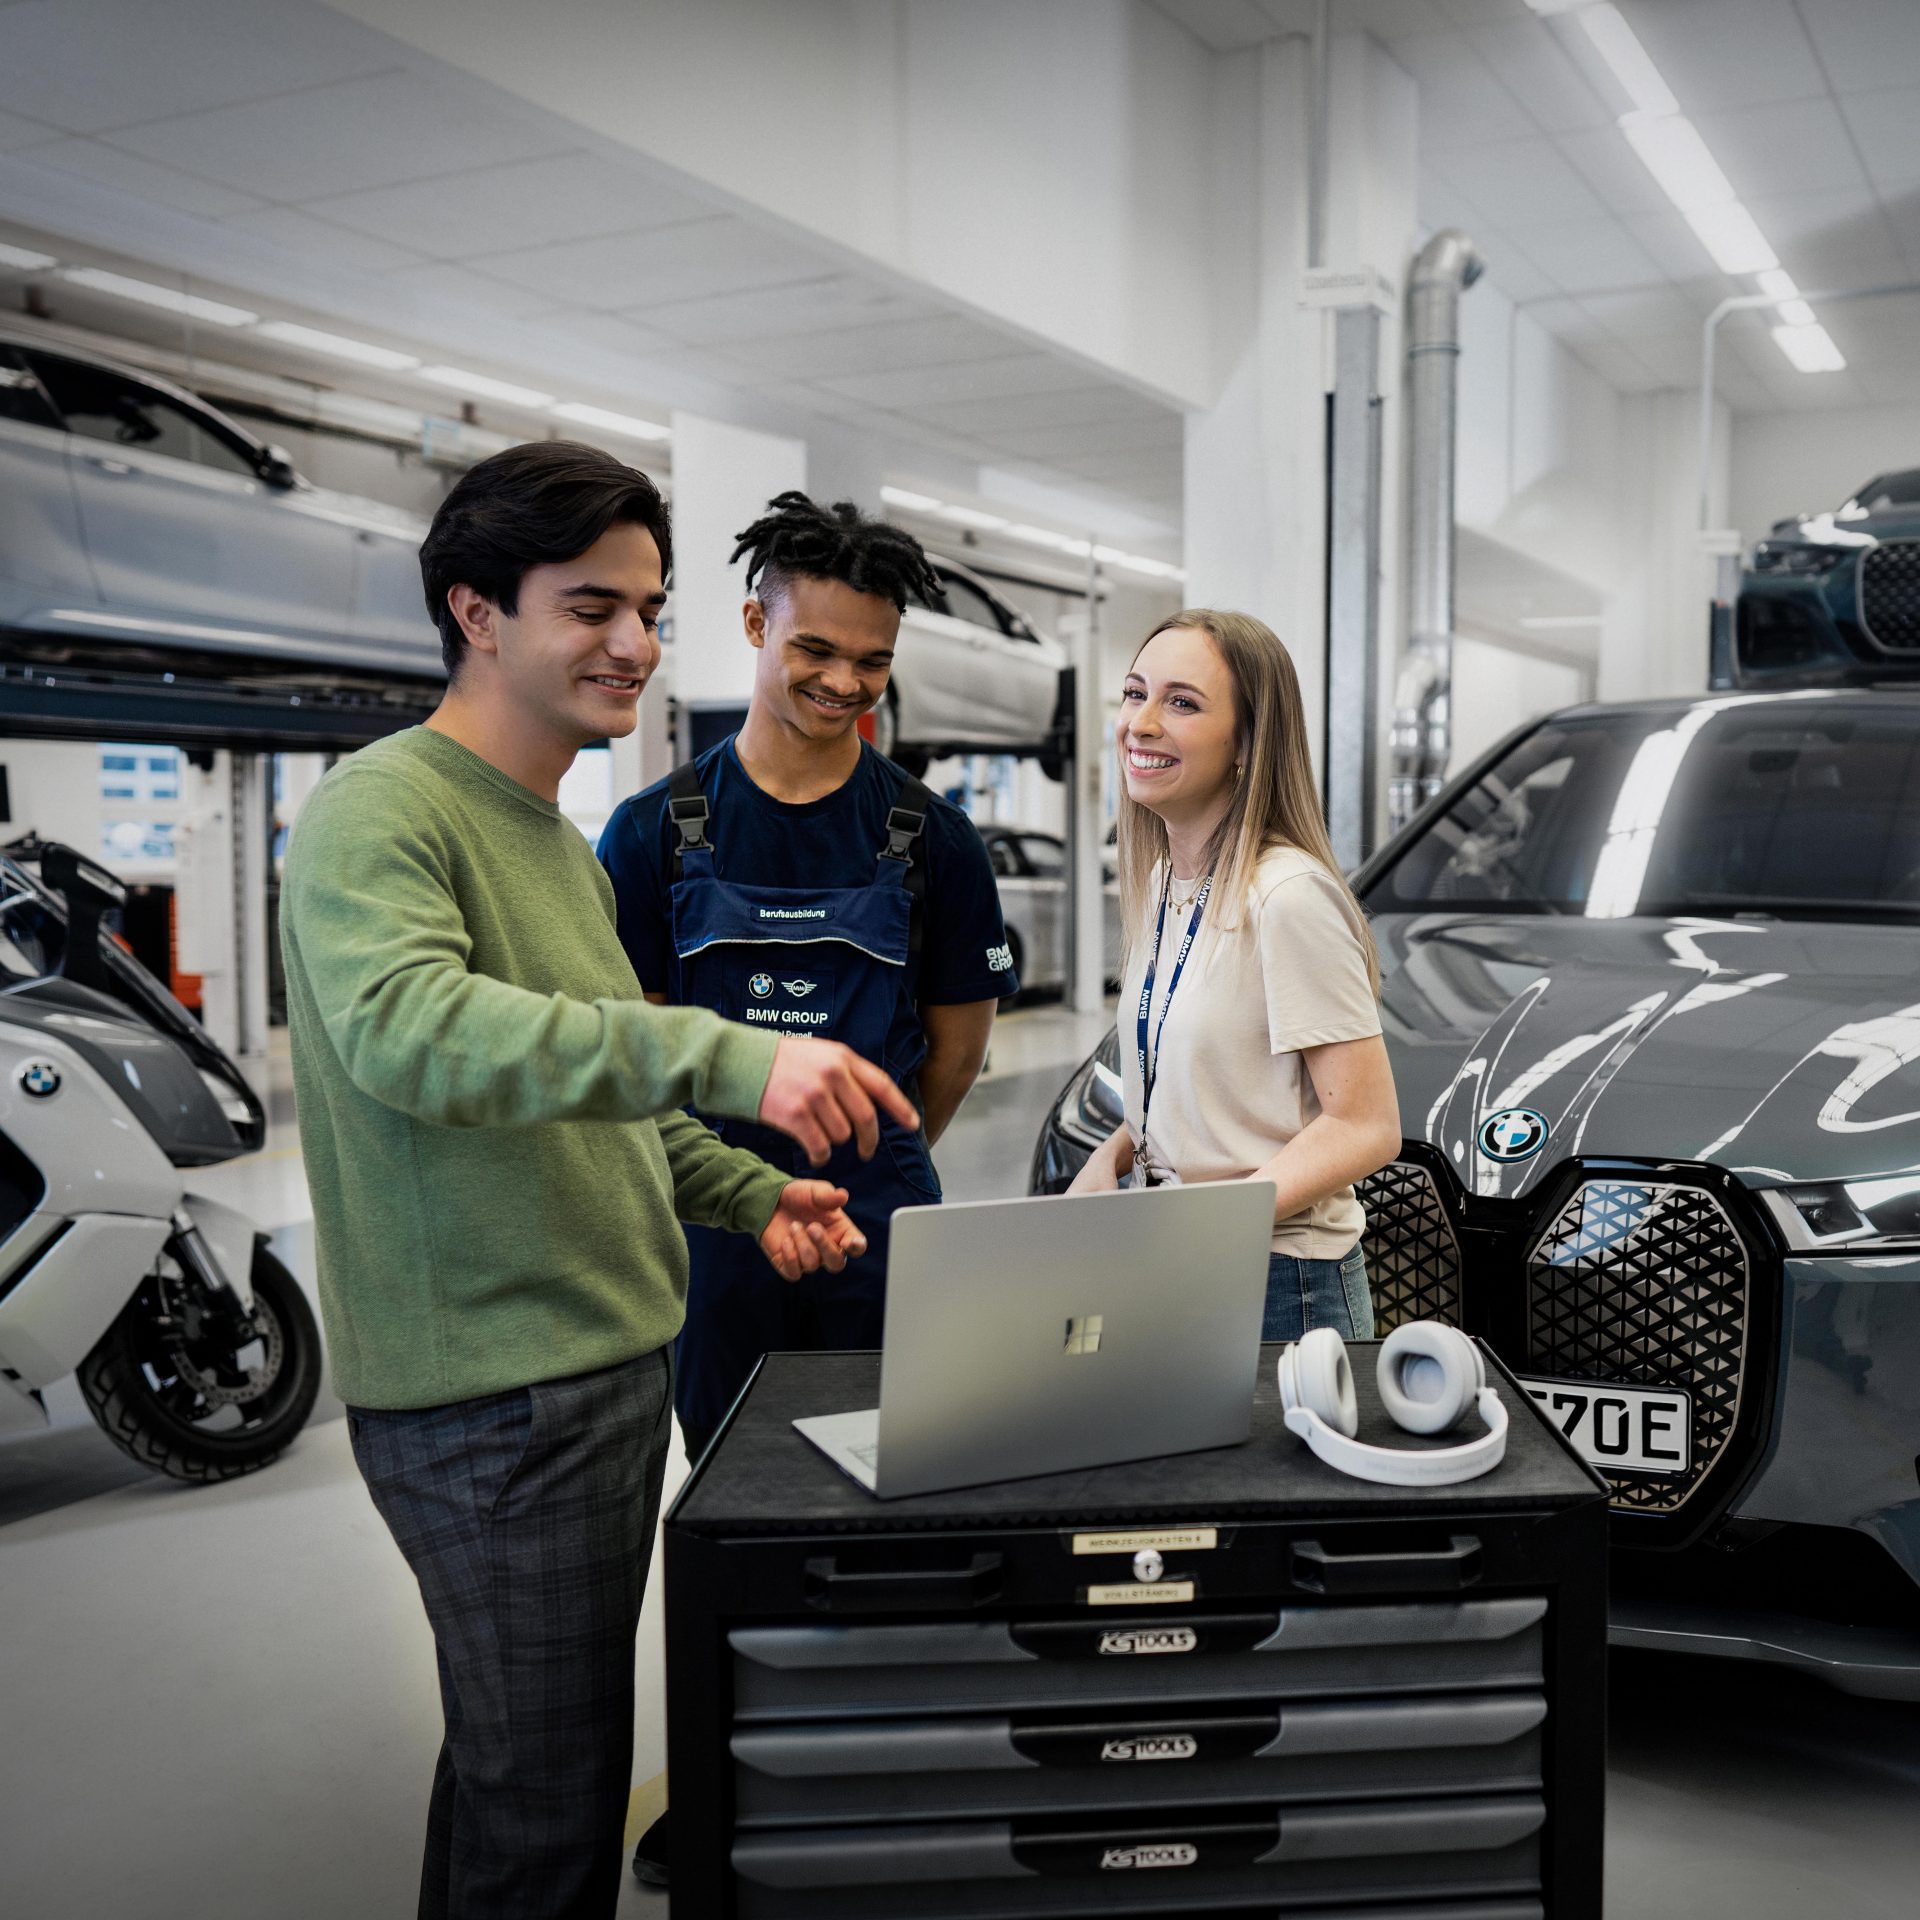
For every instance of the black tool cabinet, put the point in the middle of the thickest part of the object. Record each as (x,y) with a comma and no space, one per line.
(1231,1682)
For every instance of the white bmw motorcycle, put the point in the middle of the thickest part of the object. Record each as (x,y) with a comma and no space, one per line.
(195,1348)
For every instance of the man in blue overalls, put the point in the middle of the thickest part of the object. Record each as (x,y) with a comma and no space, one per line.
(794,878)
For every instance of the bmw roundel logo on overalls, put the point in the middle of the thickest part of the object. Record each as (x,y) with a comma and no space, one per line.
(760,986)
(40,1079)
(1514,1133)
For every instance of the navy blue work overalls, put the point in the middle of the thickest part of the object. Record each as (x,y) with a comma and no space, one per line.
(828,961)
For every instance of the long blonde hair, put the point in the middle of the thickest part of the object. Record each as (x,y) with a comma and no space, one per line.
(1274,800)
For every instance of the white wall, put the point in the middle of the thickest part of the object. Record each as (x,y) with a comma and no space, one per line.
(723,477)
(1038,162)
(1792,463)
(54,791)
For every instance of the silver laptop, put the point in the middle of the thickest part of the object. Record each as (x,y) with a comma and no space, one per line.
(1039,1336)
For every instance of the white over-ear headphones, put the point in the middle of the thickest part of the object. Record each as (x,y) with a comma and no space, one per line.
(1429,1375)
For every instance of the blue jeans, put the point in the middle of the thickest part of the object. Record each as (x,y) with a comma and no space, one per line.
(1302,1294)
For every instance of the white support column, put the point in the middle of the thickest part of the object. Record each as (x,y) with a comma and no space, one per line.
(1255,467)
(221,899)
(1086,871)
(723,477)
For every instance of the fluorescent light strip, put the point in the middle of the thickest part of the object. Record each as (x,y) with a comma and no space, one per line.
(1810,348)
(1627,60)
(482,387)
(215,312)
(24,259)
(627,424)
(909,501)
(1028,535)
(968,517)
(336,346)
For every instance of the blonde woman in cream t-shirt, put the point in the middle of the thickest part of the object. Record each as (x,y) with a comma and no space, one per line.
(1263,1055)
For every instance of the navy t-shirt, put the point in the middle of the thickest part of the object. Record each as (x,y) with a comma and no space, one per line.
(831,842)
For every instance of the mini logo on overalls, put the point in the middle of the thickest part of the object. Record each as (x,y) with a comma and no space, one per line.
(760,986)
(800,988)
(40,1079)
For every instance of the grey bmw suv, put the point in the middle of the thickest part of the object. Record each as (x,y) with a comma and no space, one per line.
(1652,995)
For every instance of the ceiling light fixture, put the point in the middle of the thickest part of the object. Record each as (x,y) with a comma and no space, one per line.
(906,499)
(968,517)
(1671,149)
(336,346)
(482,387)
(24,259)
(627,424)
(1810,347)
(1627,60)
(215,312)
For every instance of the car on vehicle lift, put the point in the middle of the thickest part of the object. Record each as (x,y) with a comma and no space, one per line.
(971,674)
(1834,598)
(1652,996)
(142,522)
(147,531)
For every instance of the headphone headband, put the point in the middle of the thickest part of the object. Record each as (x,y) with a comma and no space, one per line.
(1429,1375)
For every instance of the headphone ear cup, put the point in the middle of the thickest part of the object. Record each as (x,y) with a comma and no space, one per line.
(1428,1375)
(1323,1379)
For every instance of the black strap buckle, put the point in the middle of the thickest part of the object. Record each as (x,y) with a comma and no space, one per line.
(904,827)
(690,823)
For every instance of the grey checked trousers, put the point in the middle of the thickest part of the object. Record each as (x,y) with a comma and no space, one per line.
(528,1519)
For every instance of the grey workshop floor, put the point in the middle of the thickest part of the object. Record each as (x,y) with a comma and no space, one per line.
(221,1701)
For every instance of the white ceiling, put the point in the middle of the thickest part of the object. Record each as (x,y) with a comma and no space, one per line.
(1812,108)
(406,194)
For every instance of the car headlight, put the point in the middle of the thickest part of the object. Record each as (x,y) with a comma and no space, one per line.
(1093,1106)
(229,1101)
(1858,1215)
(1796,556)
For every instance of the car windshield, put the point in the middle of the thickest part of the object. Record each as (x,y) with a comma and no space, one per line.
(1890,490)
(32,936)
(1805,810)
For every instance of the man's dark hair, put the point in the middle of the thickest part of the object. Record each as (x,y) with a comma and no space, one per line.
(530,506)
(797,536)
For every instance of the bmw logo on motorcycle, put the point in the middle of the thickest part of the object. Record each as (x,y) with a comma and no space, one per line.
(1514,1133)
(40,1079)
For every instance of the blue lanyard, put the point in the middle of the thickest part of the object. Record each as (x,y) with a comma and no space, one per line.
(1150,1063)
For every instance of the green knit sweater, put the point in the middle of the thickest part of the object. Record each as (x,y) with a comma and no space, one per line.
(488,1108)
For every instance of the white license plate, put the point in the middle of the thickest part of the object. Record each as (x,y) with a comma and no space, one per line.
(1620,1429)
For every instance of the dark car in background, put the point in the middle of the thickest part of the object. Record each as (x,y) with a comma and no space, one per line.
(1652,995)
(1834,597)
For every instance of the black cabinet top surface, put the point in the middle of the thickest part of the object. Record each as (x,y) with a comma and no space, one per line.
(763,1477)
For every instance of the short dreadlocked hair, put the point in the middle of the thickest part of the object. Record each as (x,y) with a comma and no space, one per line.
(799,537)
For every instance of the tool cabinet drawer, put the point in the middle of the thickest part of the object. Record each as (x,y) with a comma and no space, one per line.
(833,1672)
(1000,1765)
(1144,1861)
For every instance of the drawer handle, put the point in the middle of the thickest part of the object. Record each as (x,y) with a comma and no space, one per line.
(1455,1565)
(833,1588)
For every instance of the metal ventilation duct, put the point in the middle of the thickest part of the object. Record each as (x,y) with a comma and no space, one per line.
(1423,692)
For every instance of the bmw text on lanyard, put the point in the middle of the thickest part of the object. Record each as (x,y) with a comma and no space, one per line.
(1150,1061)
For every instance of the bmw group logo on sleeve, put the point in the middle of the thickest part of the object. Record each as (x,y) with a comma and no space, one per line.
(1514,1133)
(760,986)
(40,1079)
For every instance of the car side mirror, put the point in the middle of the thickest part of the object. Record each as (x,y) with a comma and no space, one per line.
(275,466)
(91,892)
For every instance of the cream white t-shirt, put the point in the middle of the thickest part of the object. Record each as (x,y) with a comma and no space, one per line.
(1230,1086)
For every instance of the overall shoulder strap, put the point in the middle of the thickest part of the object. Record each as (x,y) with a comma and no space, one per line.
(906,821)
(687,808)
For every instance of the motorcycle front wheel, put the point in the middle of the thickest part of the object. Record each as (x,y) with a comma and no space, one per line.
(173,1386)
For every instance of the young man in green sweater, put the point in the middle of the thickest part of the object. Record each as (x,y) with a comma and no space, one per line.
(489,1111)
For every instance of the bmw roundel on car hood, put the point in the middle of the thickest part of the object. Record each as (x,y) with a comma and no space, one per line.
(1782,1050)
